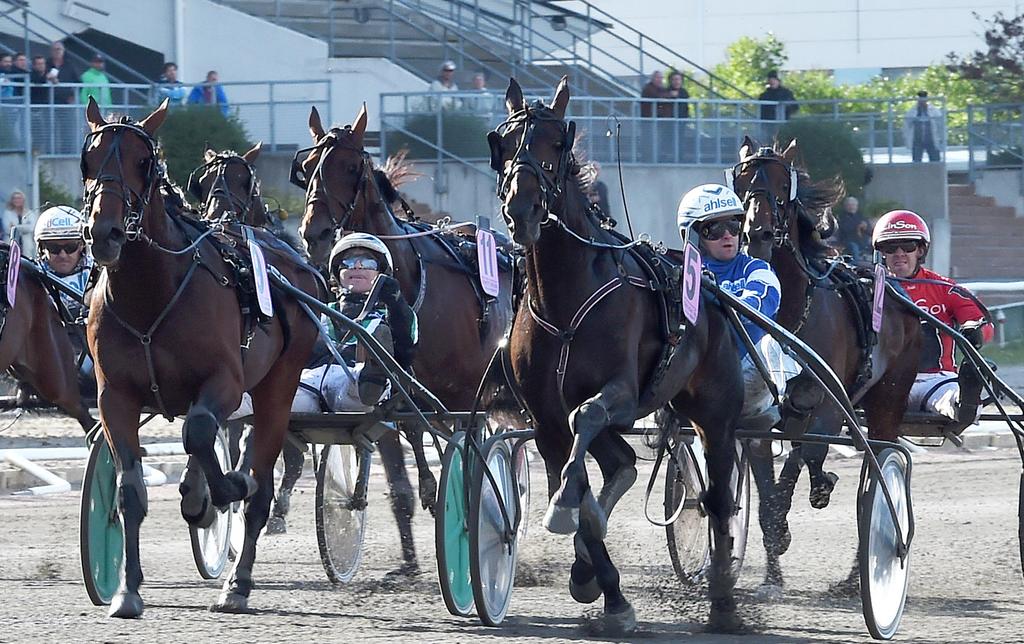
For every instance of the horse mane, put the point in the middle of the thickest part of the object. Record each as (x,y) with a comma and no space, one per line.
(396,171)
(815,220)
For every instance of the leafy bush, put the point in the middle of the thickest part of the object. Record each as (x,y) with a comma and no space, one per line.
(54,193)
(462,134)
(827,149)
(876,209)
(187,131)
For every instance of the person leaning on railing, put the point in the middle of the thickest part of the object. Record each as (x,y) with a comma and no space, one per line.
(97,83)
(169,86)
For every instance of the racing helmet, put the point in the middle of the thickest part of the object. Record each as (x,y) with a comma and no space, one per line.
(706,202)
(360,240)
(898,225)
(59,222)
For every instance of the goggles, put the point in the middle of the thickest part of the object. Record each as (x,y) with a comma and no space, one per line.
(715,231)
(889,248)
(367,263)
(54,248)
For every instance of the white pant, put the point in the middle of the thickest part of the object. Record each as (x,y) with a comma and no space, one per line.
(935,393)
(756,396)
(338,386)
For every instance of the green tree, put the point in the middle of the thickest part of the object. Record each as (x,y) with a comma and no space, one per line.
(998,68)
(188,130)
(747,63)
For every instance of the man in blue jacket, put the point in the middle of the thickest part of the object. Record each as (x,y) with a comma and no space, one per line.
(209,93)
(714,214)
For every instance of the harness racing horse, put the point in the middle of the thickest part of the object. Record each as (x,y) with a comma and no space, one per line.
(586,292)
(823,304)
(459,327)
(167,333)
(226,185)
(35,346)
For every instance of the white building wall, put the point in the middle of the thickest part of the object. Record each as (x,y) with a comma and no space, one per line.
(819,34)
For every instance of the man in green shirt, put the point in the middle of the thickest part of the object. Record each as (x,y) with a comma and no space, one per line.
(96,82)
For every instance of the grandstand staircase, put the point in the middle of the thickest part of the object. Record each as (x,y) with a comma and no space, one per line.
(986,238)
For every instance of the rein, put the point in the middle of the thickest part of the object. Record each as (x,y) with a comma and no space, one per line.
(220,189)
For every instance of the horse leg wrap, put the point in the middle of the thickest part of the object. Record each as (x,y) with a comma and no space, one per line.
(132,495)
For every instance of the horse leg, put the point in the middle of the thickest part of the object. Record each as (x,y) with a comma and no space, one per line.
(121,421)
(271,400)
(619,617)
(427,481)
(614,406)
(774,533)
(403,501)
(828,422)
(294,459)
(617,461)
(720,504)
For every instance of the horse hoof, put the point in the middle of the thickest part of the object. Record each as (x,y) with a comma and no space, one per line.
(594,517)
(768,592)
(126,605)
(428,493)
(724,621)
(562,520)
(276,525)
(231,603)
(245,485)
(204,518)
(586,593)
(618,624)
(820,495)
(785,538)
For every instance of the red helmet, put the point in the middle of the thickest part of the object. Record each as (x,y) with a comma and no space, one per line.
(897,225)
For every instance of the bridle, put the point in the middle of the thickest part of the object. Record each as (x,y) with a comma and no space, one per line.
(220,189)
(760,185)
(327,144)
(107,181)
(551,179)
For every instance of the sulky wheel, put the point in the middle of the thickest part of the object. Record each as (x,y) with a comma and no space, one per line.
(740,522)
(521,461)
(451,530)
(211,545)
(688,536)
(493,549)
(883,574)
(1020,522)
(340,512)
(101,534)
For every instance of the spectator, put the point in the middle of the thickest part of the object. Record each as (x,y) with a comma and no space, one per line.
(209,93)
(66,73)
(484,103)
(854,229)
(655,88)
(776,91)
(19,73)
(20,63)
(445,82)
(6,68)
(170,86)
(19,222)
(97,83)
(923,129)
(676,108)
(41,81)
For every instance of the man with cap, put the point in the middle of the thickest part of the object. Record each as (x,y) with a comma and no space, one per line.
(96,82)
(777,92)
(923,129)
(445,82)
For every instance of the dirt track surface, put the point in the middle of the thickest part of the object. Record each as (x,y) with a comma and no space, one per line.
(966,583)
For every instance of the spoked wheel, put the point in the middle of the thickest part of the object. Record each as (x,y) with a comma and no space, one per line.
(521,461)
(1020,521)
(740,522)
(211,545)
(101,534)
(451,530)
(883,575)
(493,549)
(688,537)
(340,512)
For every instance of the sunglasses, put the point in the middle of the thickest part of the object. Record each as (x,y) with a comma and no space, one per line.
(56,249)
(717,230)
(367,263)
(890,248)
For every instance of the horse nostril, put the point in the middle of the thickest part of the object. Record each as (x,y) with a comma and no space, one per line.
(116,236)
(325,234)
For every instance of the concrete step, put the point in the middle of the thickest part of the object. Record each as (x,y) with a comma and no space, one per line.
(969,211)
(961,189)
(970,200)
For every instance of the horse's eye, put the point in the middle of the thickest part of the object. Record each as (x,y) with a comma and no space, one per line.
(352,169)
(558,145)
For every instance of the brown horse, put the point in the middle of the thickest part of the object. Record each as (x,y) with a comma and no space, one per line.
(226,185)
(586,292)
(459,329)
(820,305)
(167,333)
(35,346)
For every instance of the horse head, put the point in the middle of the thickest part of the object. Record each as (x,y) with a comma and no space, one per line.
(532,154)
(121,173)
(333,174)
(766,181)
(226,185)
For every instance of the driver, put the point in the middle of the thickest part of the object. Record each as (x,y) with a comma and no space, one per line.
(714,213)
(62,254)
(902,237)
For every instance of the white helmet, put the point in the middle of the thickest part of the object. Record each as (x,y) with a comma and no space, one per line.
(360,240)
(59,222)
(709,201)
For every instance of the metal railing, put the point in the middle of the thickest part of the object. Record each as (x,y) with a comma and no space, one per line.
(39,118)
(649,131)
(994,135)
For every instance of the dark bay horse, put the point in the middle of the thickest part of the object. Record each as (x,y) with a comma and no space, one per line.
(586,292)
(167,333)
(820,305)
(35,346)
(459,329)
